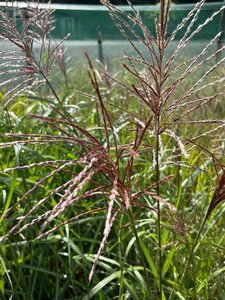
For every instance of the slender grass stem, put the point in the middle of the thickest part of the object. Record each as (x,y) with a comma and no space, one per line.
(192,252)
(141,254)
(52,89)
(157,171)
(9,120)
(122,260)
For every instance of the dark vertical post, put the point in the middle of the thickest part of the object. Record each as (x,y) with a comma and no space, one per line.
(100,48)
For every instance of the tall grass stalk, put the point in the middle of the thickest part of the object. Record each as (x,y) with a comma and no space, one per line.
(158,207)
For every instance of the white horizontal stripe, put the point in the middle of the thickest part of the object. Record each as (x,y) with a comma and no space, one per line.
(207,6)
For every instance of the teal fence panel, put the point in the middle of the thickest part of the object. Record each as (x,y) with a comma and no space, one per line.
(85,22)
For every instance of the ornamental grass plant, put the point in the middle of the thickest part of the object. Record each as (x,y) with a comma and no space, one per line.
(110,191)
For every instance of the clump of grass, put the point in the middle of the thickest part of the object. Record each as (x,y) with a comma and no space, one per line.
(30,69)
(101,166)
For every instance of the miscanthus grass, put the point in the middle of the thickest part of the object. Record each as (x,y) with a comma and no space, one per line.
(121,175)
